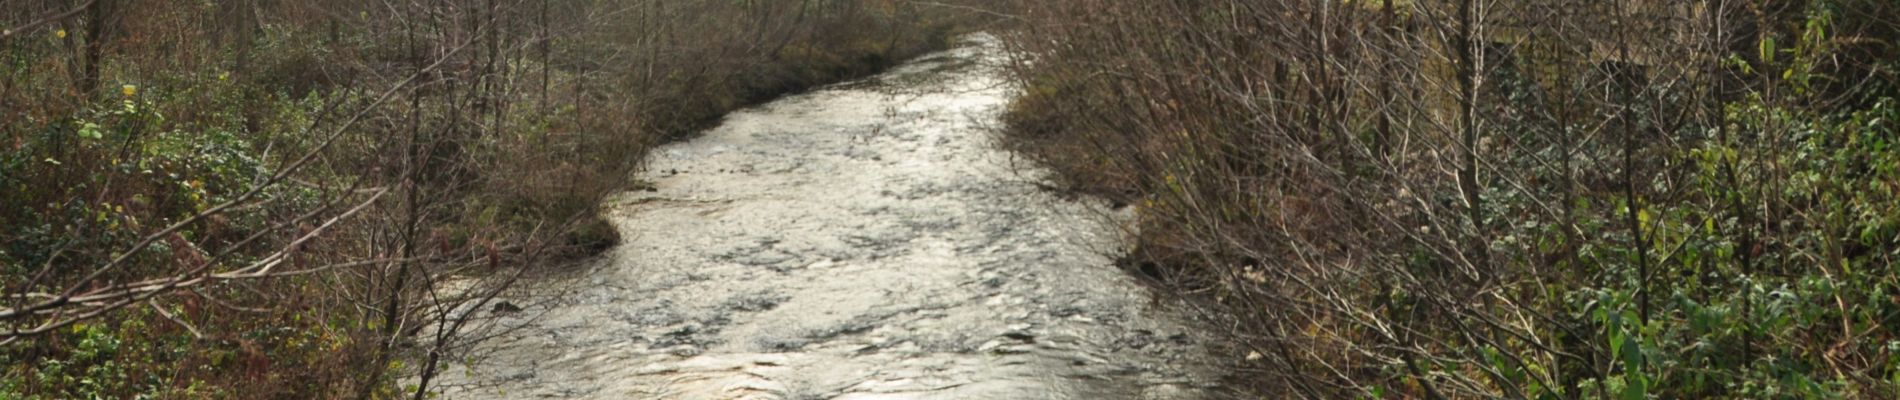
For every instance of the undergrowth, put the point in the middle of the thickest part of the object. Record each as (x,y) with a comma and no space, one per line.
(1547,199)
(479,137)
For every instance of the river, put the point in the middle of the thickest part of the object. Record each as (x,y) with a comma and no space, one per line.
(867,240)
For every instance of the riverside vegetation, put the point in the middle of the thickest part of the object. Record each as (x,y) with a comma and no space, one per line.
(1539,199)
(1441,199)
(314,199)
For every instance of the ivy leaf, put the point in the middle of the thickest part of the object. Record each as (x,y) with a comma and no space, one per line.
(1634,388)
(90,131)
(1616,344)
(1632,355)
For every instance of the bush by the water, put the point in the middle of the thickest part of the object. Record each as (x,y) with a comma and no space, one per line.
(251,199)
(1546,199)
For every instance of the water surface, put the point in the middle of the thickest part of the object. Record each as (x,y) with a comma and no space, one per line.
(864,241)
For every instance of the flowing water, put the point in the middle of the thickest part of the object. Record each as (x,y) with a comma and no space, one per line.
(863,241)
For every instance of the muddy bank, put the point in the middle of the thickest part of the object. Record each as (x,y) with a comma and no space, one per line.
(865,241)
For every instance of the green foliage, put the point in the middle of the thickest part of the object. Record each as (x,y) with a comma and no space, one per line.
(100,364)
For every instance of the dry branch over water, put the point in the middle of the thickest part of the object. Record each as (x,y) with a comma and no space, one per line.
(1436,199)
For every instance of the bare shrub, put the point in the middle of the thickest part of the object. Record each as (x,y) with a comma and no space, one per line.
(1463,199)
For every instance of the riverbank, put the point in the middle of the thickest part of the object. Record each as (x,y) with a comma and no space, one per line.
(273,200)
